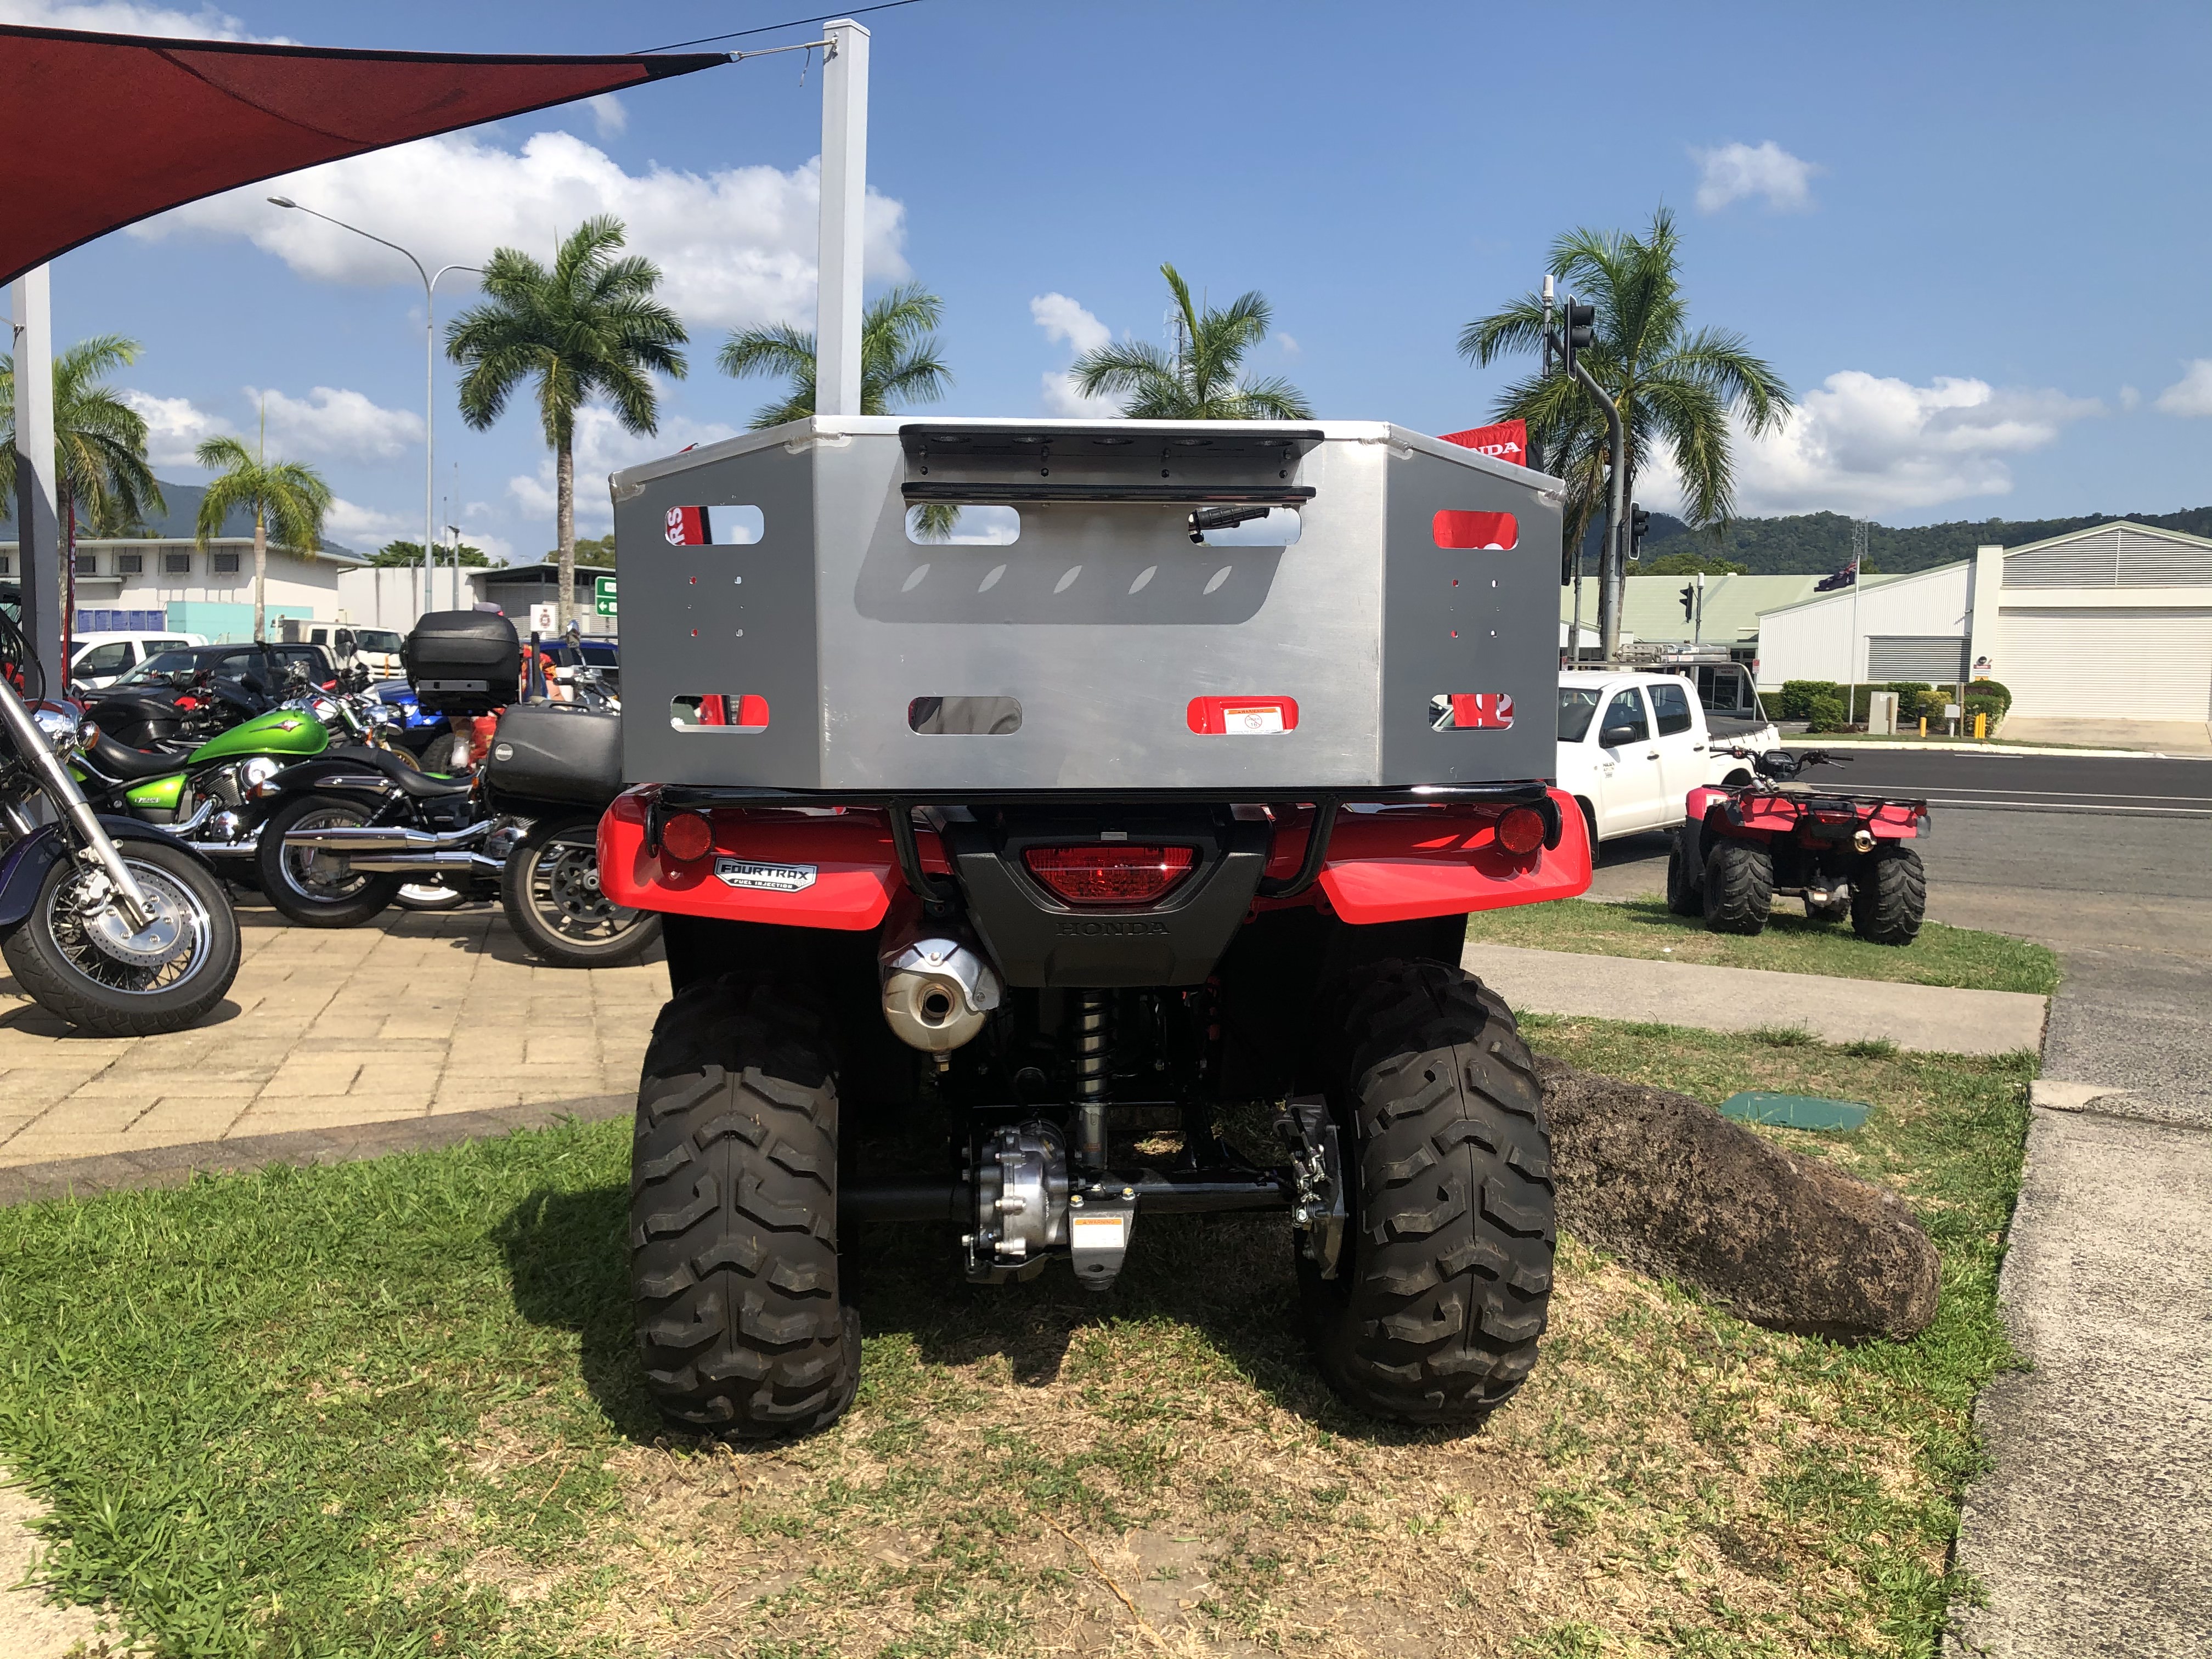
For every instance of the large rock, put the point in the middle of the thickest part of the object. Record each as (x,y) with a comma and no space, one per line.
(1675,1189)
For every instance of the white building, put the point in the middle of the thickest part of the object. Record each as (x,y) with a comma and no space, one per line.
(179,587)
(2111,623)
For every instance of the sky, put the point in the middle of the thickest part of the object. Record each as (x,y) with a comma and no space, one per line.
(1965,235)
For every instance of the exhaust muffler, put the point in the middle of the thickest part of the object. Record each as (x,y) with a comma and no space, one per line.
(938,987)
(352,838)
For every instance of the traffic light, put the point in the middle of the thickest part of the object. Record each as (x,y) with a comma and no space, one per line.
(1690,602)
(1639,522)
(1580,329)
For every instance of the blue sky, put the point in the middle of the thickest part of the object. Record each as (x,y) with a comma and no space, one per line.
(1970,237)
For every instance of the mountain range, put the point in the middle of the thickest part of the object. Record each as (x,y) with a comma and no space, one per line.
(1805,542)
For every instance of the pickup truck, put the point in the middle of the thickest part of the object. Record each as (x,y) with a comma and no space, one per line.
(1632,744)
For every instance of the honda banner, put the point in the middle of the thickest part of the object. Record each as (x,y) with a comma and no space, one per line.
(1506,441)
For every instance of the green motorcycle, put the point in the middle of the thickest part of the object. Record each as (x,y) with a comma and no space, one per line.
(212,796)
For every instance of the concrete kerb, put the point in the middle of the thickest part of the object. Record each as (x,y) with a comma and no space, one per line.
(174,1166)
(1932,1018)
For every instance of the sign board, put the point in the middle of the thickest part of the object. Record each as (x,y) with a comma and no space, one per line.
(544,618)
(1506,441)
(602,595)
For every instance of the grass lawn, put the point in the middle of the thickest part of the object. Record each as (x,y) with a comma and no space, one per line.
(1790,944)
(392,1408)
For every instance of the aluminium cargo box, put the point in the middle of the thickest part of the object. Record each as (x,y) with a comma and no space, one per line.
(886,606)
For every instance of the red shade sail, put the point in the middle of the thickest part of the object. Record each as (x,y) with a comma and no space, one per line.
(98,131)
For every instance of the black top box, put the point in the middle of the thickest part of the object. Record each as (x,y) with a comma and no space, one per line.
(463,662)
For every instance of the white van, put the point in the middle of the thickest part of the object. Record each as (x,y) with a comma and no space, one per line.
(100,659)
(1633,744)
(376,649)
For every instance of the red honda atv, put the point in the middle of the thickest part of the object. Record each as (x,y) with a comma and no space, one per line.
(1152,777)
(1740,845)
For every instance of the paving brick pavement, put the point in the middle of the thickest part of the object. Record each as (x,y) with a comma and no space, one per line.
(413,1016)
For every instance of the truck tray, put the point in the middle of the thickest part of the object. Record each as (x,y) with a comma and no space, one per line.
(882,606)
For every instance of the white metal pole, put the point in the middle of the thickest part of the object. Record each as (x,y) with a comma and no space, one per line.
(38,498)
(844,209)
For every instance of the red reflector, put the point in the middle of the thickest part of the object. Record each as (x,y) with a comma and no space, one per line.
(1499,532)
(1241,717)
(687,836)
(1520,831)
(1109,873)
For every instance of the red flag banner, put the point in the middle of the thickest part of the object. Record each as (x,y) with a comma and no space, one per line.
(1506,441)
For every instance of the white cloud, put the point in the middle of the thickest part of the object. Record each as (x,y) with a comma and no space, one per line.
(175,427)
(1065,320)
(2192,393)
(1291,347)
(1735,171)
(1864,444)
(113,17)
(738,246)
(608,116)
(602,446)
(365,529)
(339,423)
(2129,398)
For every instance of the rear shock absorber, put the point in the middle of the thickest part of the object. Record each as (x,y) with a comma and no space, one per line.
(1094,1032)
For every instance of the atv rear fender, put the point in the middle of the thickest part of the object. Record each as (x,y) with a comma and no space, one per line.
(838,868)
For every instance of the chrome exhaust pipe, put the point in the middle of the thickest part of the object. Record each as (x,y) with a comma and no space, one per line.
(450,862)
(351,840)
(938,987)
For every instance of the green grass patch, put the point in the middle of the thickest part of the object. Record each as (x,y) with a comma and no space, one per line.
(392,1408)
(1791,944)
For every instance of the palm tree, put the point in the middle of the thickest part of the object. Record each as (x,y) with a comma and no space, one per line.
(589,326)
(99,441)
(1198,380)
(283,496)
(1675,387)
(901,360)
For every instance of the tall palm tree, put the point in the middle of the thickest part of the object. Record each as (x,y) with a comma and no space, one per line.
(1674,387)
(99,441)
(285,496)
(1198,380)
(589,326)
(902,361)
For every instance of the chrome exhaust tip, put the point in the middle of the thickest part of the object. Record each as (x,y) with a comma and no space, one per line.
(938,992)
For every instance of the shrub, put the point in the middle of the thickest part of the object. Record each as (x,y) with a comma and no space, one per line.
(1991,690)
(1798,696)
(1825,713)
(1989,706)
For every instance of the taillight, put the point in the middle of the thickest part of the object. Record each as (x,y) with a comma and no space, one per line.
(1110,872)
(1520,831)
(687,836)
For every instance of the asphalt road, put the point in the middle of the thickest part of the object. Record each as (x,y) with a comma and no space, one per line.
(2124,784)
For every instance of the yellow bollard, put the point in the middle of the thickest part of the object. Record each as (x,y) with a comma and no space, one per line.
(1923,725)
(1981,726)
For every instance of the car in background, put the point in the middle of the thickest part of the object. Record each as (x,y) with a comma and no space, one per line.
(376,649)
(100,659)
(1633,743)
(262,668)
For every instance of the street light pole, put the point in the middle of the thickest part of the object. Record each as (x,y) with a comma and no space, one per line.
(430,373)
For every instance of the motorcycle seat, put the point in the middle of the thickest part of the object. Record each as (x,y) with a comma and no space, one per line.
(119,760)
(428,786)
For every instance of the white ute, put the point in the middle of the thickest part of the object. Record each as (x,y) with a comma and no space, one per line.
(1632,744)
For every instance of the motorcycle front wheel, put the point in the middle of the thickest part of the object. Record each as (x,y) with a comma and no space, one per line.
(313,888)
(77,957)
(550,887)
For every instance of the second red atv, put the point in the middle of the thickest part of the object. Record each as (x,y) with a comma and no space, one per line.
(1847,854)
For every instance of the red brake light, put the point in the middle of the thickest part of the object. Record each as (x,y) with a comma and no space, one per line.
(1520,831)
(687,836)
(1111,873)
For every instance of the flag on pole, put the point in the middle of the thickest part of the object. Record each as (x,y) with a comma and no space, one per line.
(1846,577)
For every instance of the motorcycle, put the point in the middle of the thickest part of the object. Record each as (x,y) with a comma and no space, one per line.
(203,782)
(349,830)
(107,923)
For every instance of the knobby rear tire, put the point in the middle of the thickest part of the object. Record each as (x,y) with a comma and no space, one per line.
(733,1216)
(1684,897)
(1739,889)
(1444,1282)
(1889,896)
